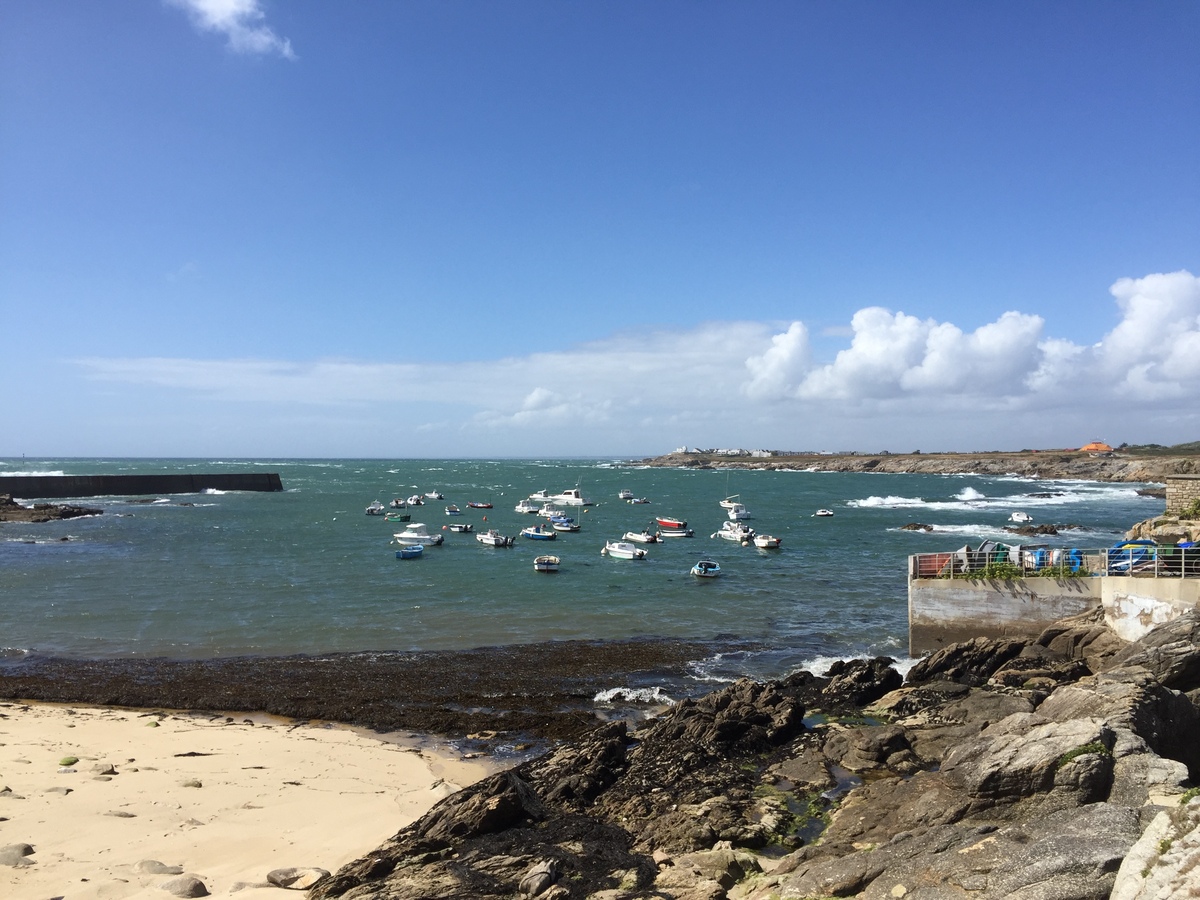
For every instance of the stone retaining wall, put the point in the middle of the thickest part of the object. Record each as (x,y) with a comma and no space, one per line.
(40,487)
(1182,492)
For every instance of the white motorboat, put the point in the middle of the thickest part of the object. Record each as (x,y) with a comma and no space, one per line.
(415,500)
(550,511)
(706,568)
(638,500)
(435,495)
(417,533)
(1019,516)
(453,510)
(738,511)
(398,504)
(734,531)
(460,527)
(626,494)
(767,542)
(493,538)
(376,509)
(539,533)
(823,513)
(573,497)
(540,496)
(731,501)
(565,524)
(645,536)
(545,564)
(623,550)
(527,506)
(675,533)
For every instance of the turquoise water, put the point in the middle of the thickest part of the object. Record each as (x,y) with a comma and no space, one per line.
(305,571)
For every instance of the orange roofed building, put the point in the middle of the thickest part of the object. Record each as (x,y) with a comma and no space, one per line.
(1096,447)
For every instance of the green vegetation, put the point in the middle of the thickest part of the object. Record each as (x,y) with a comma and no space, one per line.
(1007,571)
(1189,795)
(1189,449)
(1191,512)
(1084,750)
(68,760)
(1164,845)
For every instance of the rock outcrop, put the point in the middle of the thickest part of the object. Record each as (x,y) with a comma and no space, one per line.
(1059,767)
(11,511)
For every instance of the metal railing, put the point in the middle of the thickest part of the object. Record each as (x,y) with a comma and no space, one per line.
(1159,561)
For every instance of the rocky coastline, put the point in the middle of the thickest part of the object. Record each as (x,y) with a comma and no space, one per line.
(1056,768)
(1049,464)
(11,511)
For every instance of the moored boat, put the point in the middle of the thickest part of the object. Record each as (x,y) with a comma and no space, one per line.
(417,533)
(538,533)
(675,533)
(564,524)
(731,501)
(398,504)
(540,496)
(376,509)
(738,511)
(453,510)
(1019,516)
(706,568)
(670,522)
(625,494)
(411,551)
(767,542)
(493,538)
(638,500)
(527,506)
(460,527)
(623,550)
(474,504)
(645,536)
(435,495)
(546,564)
(823,513)
(397,517)
(415,500)
(573,497)
(734,531)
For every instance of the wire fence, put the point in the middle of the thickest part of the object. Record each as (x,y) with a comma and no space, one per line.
(999,561)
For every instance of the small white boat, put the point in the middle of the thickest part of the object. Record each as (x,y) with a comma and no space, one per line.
(675,533)
(645,536)
(550,511)
(417,533)
(823,512)
(625,495)
(638,500)
(415,500)
(573,497)
(493,538)
(538,533)
(623,550)
(546,564)
(527,506)
(540,496)
(460,527)
(706,568)
(398,504)
(412,551)
(670,522)
(1020,517)
(435,495)
(376,509)
(565,525)
(731,501)
(734,531)
(737,512)
(767,542)
(453,510)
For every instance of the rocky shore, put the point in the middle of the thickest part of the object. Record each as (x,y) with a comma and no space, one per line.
(1058,768)
(11,511)
(1027,464)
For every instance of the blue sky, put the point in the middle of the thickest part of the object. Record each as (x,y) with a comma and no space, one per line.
(250,227)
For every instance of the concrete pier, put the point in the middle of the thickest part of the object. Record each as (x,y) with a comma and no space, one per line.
(31,487)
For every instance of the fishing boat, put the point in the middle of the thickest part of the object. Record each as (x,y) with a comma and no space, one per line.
(573,497)
(493,538)
(453,510)
(564,524)
(675,533)
(823,513)
(767,542)
(473,504)
(731,501)
(527,506)
(550,511)
(435,495)
(460,527)
(417,533)
(738,511)
(540,496)
(398,504)
(545,564)
(411,551)
(623,550)
(538,533)
(626,494)
(376,509)
(670,522)
(706,568)
(734,531)
(397,517)
(645,536)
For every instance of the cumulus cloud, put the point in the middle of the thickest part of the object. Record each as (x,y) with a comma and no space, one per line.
(242,22)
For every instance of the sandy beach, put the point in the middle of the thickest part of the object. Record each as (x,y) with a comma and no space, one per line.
(225,798)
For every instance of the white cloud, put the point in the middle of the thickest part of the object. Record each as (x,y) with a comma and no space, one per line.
(241,21)
(757,384)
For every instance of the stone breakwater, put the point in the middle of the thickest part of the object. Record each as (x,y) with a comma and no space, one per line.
(1059,767)
(1042,464)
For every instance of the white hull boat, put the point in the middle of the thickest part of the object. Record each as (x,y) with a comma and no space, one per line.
(675,533)
(641,537)
(416,533)
(734,531)
(767,542)
(625,495)
(527,506)
(731,501)
(1020,517)
(824,513)
(546,564)
(623,550)
(461,527)
(738,512)
(376,509)
(706,568)
(572,497)
(493,538)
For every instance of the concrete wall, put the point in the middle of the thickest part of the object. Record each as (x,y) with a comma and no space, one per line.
(38,487)
(1182,492)
(943,611)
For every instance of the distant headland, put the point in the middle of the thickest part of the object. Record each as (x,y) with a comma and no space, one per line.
(1093,462)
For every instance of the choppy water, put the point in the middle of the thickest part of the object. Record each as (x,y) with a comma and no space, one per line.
(306,571)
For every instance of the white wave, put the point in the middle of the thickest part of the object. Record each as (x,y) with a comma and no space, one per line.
(214,491)
(16,474)
(652,695)
(969,493)
(1000,530)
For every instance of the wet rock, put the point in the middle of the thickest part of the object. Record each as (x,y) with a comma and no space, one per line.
(296,879)
(1170,652)
(970,662)
(858,682)
(493,804)
(185,886)
(916,526)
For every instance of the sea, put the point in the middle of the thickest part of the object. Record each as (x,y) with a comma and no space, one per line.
(306,571)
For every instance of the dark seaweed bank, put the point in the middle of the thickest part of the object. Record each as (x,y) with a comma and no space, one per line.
(541,691)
